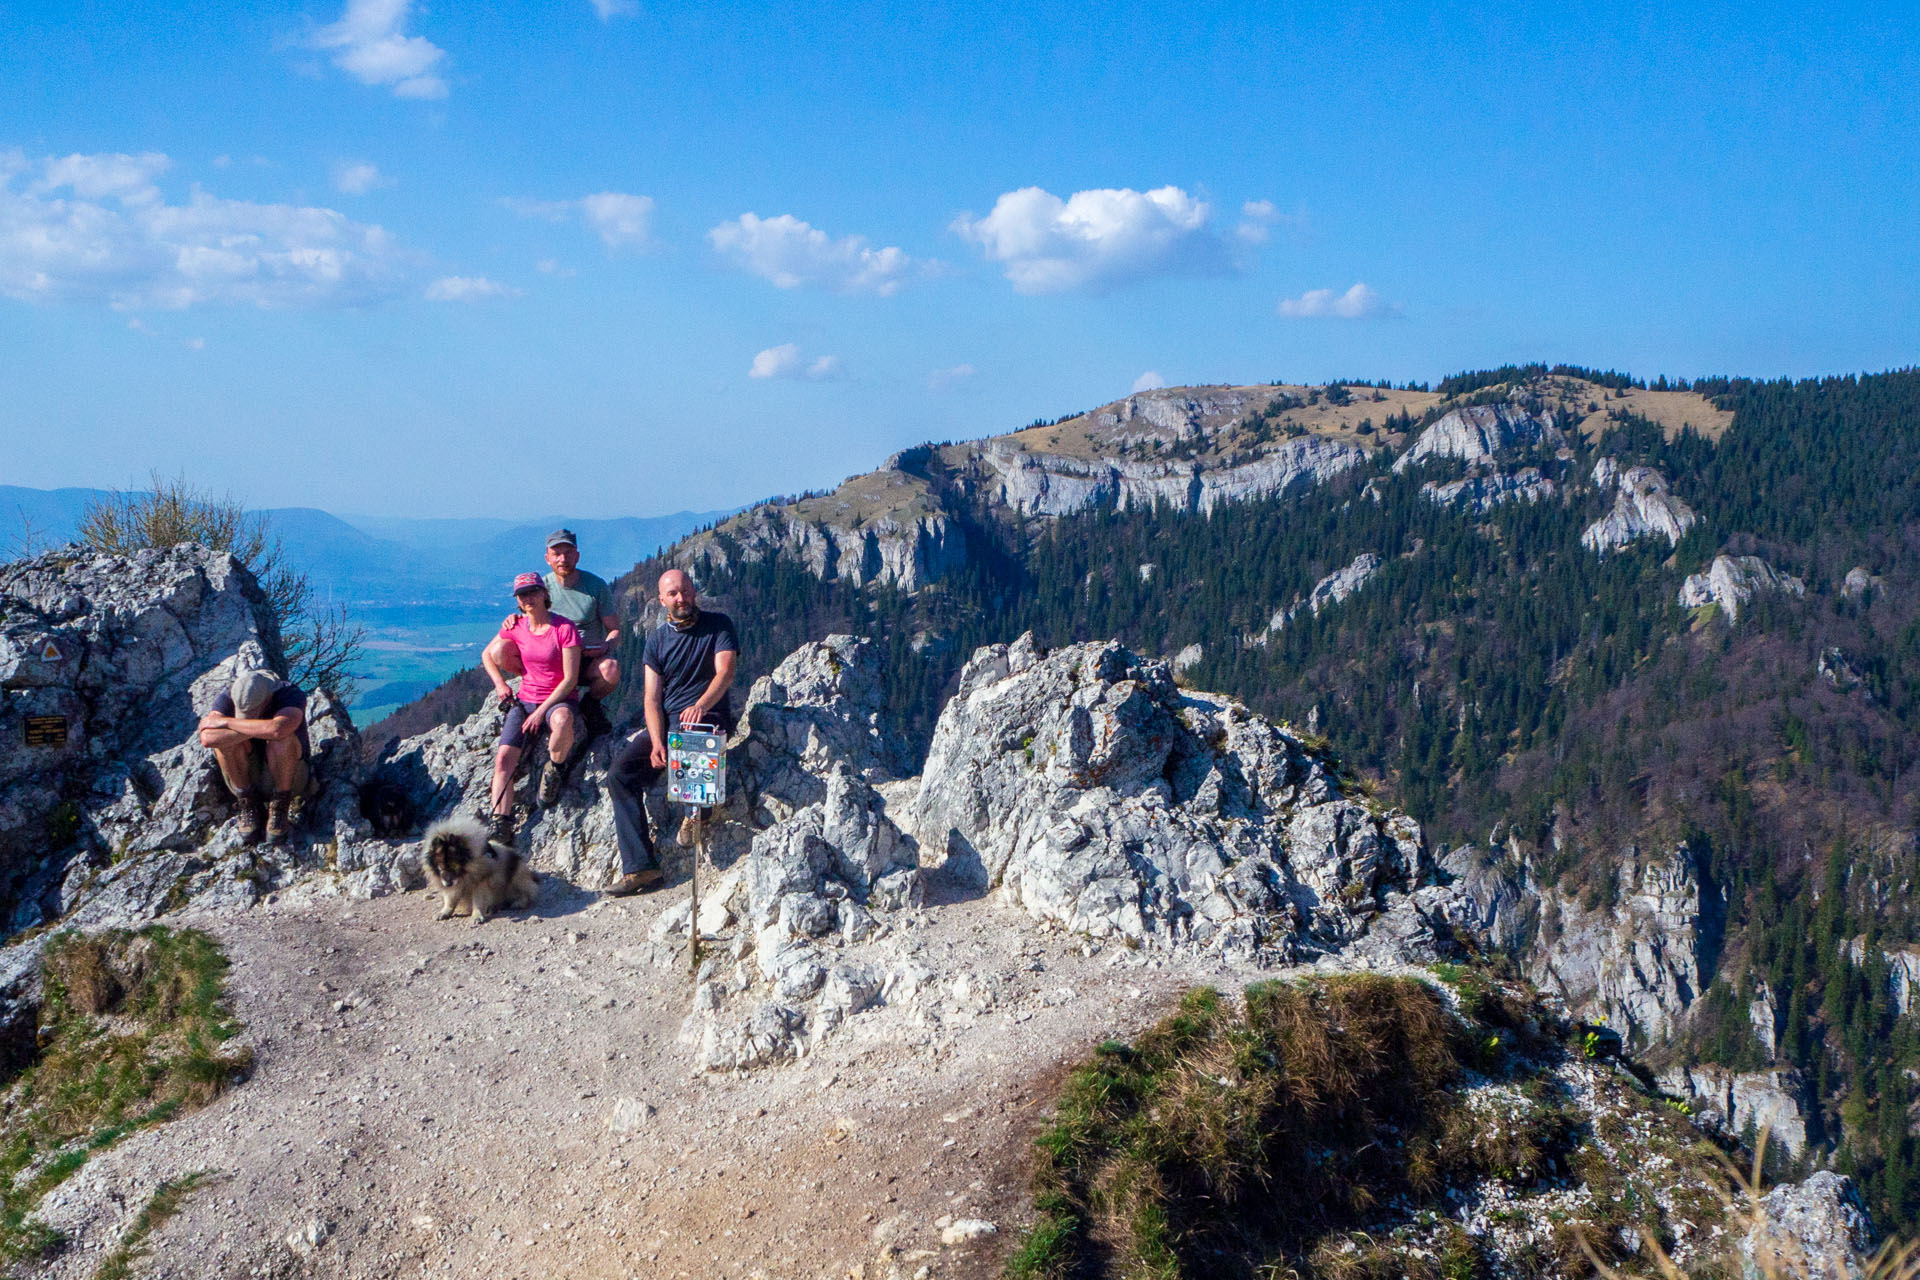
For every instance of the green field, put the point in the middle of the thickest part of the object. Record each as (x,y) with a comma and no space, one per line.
(412,648)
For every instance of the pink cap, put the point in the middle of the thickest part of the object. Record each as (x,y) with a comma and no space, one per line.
(527,581)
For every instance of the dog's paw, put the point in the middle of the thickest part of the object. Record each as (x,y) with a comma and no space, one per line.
(446,913)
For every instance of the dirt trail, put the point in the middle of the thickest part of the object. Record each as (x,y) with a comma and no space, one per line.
(512,1100)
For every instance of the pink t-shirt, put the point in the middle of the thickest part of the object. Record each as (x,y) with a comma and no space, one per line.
(540,655)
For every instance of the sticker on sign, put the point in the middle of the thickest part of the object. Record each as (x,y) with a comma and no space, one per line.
(697,766)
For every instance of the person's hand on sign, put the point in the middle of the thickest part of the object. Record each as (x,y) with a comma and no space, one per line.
(690,716)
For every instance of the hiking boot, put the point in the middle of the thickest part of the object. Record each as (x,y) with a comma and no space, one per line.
(637,882)
(550,783)
(500,828)
(279,825)
(253,819)
(693,827)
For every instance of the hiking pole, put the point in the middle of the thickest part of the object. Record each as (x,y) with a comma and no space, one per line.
(697,778)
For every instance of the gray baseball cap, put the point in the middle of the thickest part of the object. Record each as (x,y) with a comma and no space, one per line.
(251,692)
(562,537)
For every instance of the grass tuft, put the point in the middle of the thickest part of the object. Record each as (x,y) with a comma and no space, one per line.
(134,1029)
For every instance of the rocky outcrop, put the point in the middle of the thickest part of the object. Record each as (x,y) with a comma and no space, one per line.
(1817,1229)
(1330,590)
(1036,483)
(1085,788)
(1482,432)
(106,665)
(1483,490)
(907,546)
(1731,581)
(1902,970)
(1860,584)
(1632,964)
(1746,1103)
(1643,507)
(810,861)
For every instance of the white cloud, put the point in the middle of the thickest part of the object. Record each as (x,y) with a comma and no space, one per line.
(356,179)
(1358,303)
(1149,381)
(196,344)
(95,228)
(789,253)
(369,43)
(468,289)
(554,267)
(943,379)
(611,9)
(1256,221)
(1095,239)
(618,219)
(785,361)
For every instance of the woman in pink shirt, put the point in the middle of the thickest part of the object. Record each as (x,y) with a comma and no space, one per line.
(549,649)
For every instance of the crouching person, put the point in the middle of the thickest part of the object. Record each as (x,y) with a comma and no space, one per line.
(257,731)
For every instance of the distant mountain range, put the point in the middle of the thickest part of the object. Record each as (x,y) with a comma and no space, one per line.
(389,560)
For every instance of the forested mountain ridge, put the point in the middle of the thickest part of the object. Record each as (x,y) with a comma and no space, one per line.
(1696,819)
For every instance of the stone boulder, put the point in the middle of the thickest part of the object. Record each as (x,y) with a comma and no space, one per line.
(1086,788)
(1817,1229)
(1731,581)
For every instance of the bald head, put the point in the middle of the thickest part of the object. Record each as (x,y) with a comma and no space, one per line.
(677,597)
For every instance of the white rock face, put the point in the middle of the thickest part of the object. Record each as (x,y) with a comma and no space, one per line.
(1903,972)
(1485,490)
(1643,508)
(1332,589)
(1817,1229)
(1773,1102)
(1731,581)
(1859,582)
(1188,658)
(1084,787)
(1481,432)
(1044,484)
(908,552)
(1634,965)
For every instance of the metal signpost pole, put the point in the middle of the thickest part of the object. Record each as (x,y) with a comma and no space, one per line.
(697,778)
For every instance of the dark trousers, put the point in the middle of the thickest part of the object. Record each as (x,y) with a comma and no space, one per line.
(628,782)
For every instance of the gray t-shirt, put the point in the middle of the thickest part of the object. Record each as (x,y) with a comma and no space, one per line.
(583,604)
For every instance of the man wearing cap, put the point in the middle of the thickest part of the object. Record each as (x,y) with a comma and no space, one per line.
(688,665)
(257,731)
(585,600)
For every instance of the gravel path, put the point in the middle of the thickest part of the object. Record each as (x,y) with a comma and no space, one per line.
(513,1100)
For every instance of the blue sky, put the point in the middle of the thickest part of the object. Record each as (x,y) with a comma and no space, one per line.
(625,257)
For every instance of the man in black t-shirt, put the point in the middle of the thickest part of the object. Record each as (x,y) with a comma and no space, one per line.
(257,730)
(688,664)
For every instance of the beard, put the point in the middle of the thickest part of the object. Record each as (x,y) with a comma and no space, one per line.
(683,615)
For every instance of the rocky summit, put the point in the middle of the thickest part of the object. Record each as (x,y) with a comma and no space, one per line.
(1083,839)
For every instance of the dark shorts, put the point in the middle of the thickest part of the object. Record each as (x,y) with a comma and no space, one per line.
(512,733)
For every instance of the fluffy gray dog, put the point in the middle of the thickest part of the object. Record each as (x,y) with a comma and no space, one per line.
(475,874)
